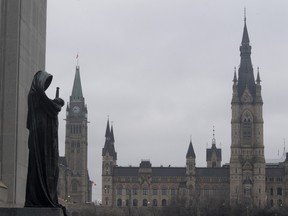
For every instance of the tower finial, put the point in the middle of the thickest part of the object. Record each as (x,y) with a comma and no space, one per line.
(213,140)
(77,59)
(245,15)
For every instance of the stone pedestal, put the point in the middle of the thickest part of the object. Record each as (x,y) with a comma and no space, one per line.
(31,212)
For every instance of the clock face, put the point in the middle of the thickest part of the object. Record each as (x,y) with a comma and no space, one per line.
(76,109)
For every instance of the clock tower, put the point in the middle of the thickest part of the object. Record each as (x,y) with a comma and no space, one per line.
(78,184)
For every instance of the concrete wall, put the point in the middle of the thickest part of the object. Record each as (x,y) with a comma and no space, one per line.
(22,54)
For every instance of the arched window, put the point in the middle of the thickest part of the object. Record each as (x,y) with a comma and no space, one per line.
(145,202)
(135,202)
(119,202)
(74,186)
(247,123)
(155,202)
(279,202)
(164,202)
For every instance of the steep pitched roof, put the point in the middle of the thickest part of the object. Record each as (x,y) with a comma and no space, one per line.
(245,72)
(190,152)
(109,142)
(77,88)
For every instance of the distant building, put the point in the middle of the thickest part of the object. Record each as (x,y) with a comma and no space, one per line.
(22,54)
(246,180)
(74,184)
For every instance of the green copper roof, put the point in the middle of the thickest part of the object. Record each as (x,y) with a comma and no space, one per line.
(77,89)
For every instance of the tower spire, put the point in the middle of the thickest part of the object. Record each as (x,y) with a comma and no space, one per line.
(107,133)
(77,88)
(190,152)
(245,15)
(245,73)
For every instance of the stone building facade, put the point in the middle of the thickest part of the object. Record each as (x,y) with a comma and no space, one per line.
(247,180)
(74,184)
(22,54)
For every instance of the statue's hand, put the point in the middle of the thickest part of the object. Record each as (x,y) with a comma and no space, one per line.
(59,101)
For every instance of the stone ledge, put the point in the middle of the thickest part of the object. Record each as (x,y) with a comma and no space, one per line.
(31,212)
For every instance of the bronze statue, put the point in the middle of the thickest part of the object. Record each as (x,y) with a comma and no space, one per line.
(42,123)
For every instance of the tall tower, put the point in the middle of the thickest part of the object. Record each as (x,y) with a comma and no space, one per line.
(190,173)
(78,183)
(109,159)
(247,162)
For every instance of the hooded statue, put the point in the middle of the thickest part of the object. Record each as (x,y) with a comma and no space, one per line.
(42,123)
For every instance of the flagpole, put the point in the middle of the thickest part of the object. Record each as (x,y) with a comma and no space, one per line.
(77,58)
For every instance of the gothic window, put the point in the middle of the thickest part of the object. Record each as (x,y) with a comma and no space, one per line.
(271,191)
(213,164)
(164,202)
(154,202)
(155,191)
(145,202)
(134,191)
(247,122)
(164,191)
(145,191)
(127,202)
(271,203)
(279,191)
(173,192)
(119,202)
(135,202)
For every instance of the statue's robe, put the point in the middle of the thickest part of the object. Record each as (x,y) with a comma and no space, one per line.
(42,123)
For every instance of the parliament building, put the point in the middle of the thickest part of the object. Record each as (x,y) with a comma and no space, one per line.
(246,180)
(74,184)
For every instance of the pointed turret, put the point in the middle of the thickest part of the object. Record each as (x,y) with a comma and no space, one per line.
(258,80)
(109,142)
(77,88)
(245,73)
(107,133)
(190,152)
(112,135)
(235,77)
(245,37)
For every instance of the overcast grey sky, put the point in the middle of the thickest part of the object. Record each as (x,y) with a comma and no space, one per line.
(162,70)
